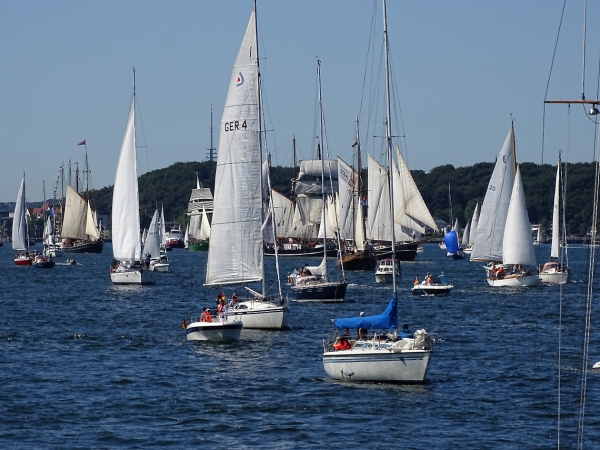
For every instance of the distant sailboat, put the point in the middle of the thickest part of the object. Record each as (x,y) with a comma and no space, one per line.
(127,264)
(20,241)
(152,246)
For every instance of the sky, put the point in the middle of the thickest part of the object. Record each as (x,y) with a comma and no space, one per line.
(461,68)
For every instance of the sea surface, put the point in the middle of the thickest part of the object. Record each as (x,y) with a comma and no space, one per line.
(86,364)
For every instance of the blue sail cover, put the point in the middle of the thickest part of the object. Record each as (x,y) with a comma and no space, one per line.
(386,320)
(451,241)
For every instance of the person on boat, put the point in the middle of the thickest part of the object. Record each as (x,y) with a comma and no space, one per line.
(428,278)
(406,333)
(443,279)
(235,298)
(500,272)
(147,261)
(113,265)
(204,316)
(222,311)
(416,281)
(362,333)
(341,343)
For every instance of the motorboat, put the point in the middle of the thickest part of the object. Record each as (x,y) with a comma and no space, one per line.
(385,267)
(554,273)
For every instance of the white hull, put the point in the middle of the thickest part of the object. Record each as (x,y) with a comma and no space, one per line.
(384,277)
(555,278)
(260,315)
(515,281)
(431,289)
(214,331)
(406,366)
(159,267)
(133,277)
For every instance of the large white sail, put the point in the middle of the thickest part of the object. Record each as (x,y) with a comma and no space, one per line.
(90,225)
(152,243)
(490,229)
(125,205)
(299,230)
(75,217)
(378,198)
(19,233)
(466,235)
(194,225)
(284,213)
(474,225)
(348,199)
(235,254)
(204,227)
(517,247)
(407,197)
(555,251)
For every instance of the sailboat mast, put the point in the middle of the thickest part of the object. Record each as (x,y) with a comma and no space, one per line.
(389,142)
(260,142)
(323,196)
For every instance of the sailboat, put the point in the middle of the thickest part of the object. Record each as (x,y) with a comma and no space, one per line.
(468,248)
(20,241)
(200,205)
(79,228)
(236,255)
(554,271)
(152,246)
(386,355)
(312,283)
(126,267)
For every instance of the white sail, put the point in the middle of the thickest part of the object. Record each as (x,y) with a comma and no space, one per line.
(48,232)
(194,225)
(408,199)
(90,225)
(152,244)
(555,251)
(466,235)
(162,229)
(399,216)
(518,242)
(490,229)
(284,213)
(186,236)
(378,197)
(19,233)
(235,254)
(348,199)
(75,217)
(330,219)
(474,224)
(359,230)
(125,204)
(299,230)
(204,227)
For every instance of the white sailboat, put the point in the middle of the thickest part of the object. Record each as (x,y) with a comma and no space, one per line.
(186,237)
(20,241)
(235,255)
(517,244)
(126,267)
(468,248)
(384,356)
(152,246)
(313,283)
(554,271)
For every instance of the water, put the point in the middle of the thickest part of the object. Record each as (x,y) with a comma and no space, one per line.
(86,364)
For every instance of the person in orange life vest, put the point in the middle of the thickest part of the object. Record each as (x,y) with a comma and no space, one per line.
(208,316)
(416,281)
(203,316)
(341,344)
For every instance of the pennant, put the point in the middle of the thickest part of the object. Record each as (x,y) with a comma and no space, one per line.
(82,142)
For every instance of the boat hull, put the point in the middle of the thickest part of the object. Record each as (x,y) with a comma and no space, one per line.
(49,264)
(442,289)
(514,281)
(407,367)
(555,278)
(199,247)
(85,247)
(385,278)
(359,261)
(133,277)
(214,331)
(260,315)
(327,292)
(301,251)
(159,267)
(404,251)
(22,261)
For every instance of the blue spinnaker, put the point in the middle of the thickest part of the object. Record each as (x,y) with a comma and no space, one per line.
(388,319)
(451,241)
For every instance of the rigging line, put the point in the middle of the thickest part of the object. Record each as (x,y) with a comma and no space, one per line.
(583,55)
(367,57)
(588,306)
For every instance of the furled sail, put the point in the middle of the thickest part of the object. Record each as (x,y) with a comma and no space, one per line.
(235,254)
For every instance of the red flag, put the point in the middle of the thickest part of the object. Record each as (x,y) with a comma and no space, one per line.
(82,142)
(184,324)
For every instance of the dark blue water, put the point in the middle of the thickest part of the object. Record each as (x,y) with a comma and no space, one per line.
(86,364)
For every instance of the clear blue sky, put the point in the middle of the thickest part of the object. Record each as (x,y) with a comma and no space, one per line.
(460,68)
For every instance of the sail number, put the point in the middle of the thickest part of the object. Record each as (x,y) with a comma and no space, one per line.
(235,125)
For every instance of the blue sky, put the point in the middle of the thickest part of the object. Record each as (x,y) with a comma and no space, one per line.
(461,67)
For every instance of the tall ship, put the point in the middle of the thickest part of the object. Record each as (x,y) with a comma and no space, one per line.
(80,229)
(200,208)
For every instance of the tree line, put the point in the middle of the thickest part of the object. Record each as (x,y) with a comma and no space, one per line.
(444,188)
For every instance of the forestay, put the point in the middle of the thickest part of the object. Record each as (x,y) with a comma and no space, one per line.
(235,254)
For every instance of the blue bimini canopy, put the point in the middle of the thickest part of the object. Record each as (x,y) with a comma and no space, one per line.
(385,321)
(451,240)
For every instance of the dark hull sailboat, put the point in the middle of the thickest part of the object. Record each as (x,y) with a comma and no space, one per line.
(406,251)
(85,247)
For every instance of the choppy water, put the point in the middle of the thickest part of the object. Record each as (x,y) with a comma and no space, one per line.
(86,364)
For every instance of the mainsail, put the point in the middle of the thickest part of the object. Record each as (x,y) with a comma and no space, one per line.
(152,244)
(125,205)
(19,233)
(235,254)
(490,229)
